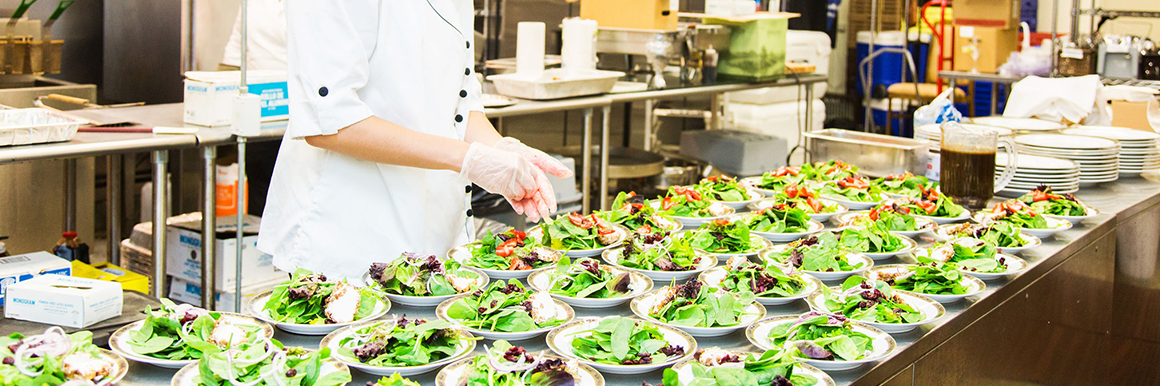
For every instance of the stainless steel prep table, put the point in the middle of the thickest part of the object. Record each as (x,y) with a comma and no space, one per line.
(1092,243)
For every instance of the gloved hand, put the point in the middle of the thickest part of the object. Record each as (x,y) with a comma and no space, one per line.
(509,175)
(543,161)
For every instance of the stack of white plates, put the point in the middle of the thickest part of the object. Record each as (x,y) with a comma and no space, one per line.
(1139,150)
(1032,171)
(1098,158)
(1019,124)
(934,134)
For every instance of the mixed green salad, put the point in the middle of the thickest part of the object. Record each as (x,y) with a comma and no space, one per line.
(183,332)
(822,336)
(828,171)
(969,254)
(423,275)
(506,307)
(818,253)
(308,298)
(53,358)
(779,218)
(266,362)
(696,305)
(890,216)
(770,281)
(402,342)
(682,201)
(871,237)
(575,232)
(624,341)
(394,380)
(853,188)
(1044,201)
(511,251)
(781,178)
(588,278)
(717,367)
(999,234)
(1016,213)
(722,188)
(905,184)
(801,197)
(928,277)
(507,365)
(870,301)
(632,212)
(932,203)
(724,236)
(659,252)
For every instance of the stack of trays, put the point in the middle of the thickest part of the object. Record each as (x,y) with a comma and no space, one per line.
(1098,158)
(934,134)
(1032,171)
(1139,150)
(1020,124)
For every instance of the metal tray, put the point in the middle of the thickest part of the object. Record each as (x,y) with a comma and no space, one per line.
(29,126)
(876,155)
(556,84)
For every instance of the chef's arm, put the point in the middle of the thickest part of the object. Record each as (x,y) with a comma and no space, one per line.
(479,129)
(378,140)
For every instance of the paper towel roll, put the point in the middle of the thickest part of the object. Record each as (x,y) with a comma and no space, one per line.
(530,49)
(579,51)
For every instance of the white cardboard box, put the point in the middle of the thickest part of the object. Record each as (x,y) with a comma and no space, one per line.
(183,259)
(182,291)
(209,95)
(14,269)
(63,300)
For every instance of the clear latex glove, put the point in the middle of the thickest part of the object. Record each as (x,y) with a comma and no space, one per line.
(543,161)
(501,172)
(537,205)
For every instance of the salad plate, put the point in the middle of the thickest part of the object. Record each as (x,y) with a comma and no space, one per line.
(308,304)
(754,195)
(929,309)
(256,303)
(1054,225)
(706,261)
(852,205)
(834,206)
(962,217)
(582,340)
(714,278)
(893,274)
(689,206)
(450,282)
(508,255)
(869,344)
(754,184)
(727,191)
(921,224)
(796,372)
(330,372)
(814,227)
(856,263)
(909,245)
(720,237)
(1065,206)
(514,313)
(1007,264)
(1006,237)
(47,356)
(697,309)
(619,233)
(633,212)
(579,284)
(457,373)
(378,341)
(121,341)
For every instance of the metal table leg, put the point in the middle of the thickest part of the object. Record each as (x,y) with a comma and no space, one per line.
(994,97)
(606,111)
(70,194)
(160,214)
(209,227)
(648,124)
(586,172)
(809,121)
(241,200)
(714,109)
(113,206)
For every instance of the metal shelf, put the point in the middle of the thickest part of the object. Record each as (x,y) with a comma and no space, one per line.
(1112,14)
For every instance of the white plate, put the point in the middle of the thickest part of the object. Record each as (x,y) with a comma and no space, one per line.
(854,205)
(462,254)
(909,243)
(1116,133)
(1014,264)
(561,308)
(754,196)
(713,278)
(853,258)
(1054,225)
(685,372)
(1060,141)
(453,374)
(612,257)
(881,343)
(481,282)
(966,215)
(752,313)
(754,238)
(815,227)
(190,376)
(119,341)
(819,217)
(621,232)
(752,182)
(930,310)
(495,101)
(974,285)
(332,341)
(255,304)
(541,280)
(923,225)
(560,341)
(1089,213)
(1021,124)
(1029,241)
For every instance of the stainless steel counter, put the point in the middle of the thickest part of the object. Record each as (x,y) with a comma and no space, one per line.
(1121,204)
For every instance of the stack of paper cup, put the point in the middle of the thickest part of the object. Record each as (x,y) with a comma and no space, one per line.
(579,51)
(530,49)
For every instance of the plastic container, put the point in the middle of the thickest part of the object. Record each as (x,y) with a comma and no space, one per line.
(556,84)
(778,119)
(811,47)
(887,67)
(29,126)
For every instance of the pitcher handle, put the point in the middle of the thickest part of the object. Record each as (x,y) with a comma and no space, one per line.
(1007,143)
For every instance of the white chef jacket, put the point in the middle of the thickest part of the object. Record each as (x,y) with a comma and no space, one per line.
(265,40)
(408,62)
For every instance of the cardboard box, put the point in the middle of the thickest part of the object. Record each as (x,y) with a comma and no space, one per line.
(183,259)
(63,300)
(107,272)
(1133,115)
(995,46)
(14,269)
(209,95)
(988,13)
(182,291)
(136,259)
(642,14)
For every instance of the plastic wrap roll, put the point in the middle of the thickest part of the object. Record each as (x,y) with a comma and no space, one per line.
(530,49)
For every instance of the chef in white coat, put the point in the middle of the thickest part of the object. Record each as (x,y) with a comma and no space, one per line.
(386,135)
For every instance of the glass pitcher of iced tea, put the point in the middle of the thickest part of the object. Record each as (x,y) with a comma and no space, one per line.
(967,164)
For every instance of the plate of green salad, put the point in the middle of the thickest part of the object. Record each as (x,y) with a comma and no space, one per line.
(1004,236)
(771,284)
(773,182)
(1062,206)
(943,282)
(831,170)
(1021,216)
(508,255)
(508,365)
(660,256)
(876,304)
(506,310)
(176,335)
(727,190)
(802,197)
(578,235)
(873,240)
(698,309)
(265,362)
(934,206)
(976,257)
(718,367)
(423,280)
(830,342)
(631,211)
(854,192)
(54,358)
(780,223)
(690,207)
(893,217)
(820,255)
(309,304)
(399,345)
(725,238)
(393,380)
(589,283)
(904,185)
(621,345)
